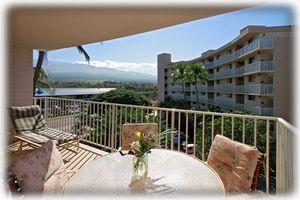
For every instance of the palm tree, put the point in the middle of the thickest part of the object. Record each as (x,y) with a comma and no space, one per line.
(180,76)
(43,56)
(196,72)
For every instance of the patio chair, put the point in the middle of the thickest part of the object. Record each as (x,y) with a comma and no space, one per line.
(234,162)
(31,128)
(42,171)
(128,132)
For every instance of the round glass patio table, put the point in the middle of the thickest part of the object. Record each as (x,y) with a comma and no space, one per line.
(169,172)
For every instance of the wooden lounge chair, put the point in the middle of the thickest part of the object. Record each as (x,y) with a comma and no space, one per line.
(31,129)
(235,163)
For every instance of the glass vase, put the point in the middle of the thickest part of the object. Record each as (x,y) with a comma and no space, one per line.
(140,167)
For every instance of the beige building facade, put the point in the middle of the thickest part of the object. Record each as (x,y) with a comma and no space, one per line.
(251,73)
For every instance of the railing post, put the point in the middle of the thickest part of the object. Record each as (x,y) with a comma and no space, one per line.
(46,109)
(284,158)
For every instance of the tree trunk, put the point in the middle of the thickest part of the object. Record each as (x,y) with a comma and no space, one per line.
(38,70)
(197,95)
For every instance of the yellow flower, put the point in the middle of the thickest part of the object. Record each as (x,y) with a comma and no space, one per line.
(138,133)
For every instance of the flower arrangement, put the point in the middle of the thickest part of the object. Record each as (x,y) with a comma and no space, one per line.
(139,148)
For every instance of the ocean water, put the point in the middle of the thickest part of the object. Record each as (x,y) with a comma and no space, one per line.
(71,91)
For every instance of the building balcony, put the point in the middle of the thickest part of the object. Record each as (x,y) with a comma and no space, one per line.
(264,111)
(265,89)
(224,88)
(224,73)
(260,43)
(223,102)
(260,66)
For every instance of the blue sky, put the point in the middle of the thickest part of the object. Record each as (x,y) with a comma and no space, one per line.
(186,41)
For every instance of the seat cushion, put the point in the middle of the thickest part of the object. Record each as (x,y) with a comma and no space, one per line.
(54,134)
(128,132)
(27,118)
(41,170)
(31,136)
(234,162)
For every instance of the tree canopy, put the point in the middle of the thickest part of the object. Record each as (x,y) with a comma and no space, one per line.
(123,96)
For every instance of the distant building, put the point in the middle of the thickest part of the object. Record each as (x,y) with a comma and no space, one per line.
(251,73)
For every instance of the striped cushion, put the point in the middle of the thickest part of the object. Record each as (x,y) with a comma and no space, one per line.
(57,135)
(27,118)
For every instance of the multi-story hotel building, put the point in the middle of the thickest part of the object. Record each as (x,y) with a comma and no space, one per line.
(251,73)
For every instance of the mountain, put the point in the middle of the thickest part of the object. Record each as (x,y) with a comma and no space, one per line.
(60,71)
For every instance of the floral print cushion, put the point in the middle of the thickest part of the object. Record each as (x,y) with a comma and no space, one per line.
(41,170)
(128,132)
(234,162)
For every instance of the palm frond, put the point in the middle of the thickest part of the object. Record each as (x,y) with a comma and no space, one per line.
(82,51)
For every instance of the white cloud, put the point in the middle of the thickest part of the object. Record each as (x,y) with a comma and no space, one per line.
(148,68)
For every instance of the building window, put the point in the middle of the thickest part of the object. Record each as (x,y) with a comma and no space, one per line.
(172,84)
(166,70)
(229,81)
(250,40)
(218,81)
(218,56)
(193,83)
(218,69)
(166,78)
(229,52)
(251,79)
(166,93)
(166,85)
(202,93)
(173,92)
(229,95)
(218,94)
(251,97)
(194,92)
(230,66)
(251,59)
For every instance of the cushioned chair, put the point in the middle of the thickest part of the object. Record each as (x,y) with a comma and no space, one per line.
(30,127)
(40,171)
(128,132)
(234,162)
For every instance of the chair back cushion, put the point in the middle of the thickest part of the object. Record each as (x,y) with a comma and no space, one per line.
(129,136)
(27,118)
(234,162)
(41,171)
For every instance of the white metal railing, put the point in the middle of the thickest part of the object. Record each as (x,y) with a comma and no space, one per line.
(259,66)
(224,88)
(254,88)
(224,73)
(100,124)
(262,42)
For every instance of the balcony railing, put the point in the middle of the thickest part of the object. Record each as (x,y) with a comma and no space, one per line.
(263,42)
(255,89)
(260,66)
(100,125)
(224,88)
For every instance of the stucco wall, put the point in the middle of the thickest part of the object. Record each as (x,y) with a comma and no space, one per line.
(20,76)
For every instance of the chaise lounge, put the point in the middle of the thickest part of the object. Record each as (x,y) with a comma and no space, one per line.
(31,128)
